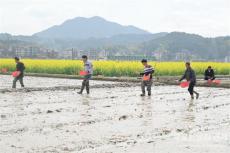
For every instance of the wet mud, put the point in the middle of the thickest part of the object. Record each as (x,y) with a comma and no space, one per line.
(112,119)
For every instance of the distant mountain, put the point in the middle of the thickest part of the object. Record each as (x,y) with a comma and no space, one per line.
(84,44)
(190,44)
(7,40)
(85,28)
(97,34)
(171,46)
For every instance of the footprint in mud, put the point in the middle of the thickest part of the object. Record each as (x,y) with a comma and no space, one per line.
(86,123)
(113,97)
(3,116)
(20,130)
(49,111)
(68,149)
(205,107)
(107,106)
(58,110)
(118,139)
(141,116)
(124,117)
(179,130)
(165,132)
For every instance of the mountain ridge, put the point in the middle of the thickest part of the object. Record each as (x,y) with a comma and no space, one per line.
(84,28)
(168,46)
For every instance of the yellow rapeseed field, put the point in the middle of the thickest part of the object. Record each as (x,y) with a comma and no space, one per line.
(112,68)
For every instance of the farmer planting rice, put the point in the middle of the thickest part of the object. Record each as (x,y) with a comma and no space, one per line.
(88,71)
(190,76)
(147,77)
(19,73)
(209,74)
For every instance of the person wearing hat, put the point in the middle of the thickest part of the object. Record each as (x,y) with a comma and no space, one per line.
(19,67)
(88,68)
(209,74)
(190,76)
(146,77)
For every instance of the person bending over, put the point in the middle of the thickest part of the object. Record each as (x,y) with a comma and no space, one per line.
(209,74)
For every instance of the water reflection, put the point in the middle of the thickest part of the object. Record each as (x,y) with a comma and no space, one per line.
(146,110)
(85,100)
(189,118)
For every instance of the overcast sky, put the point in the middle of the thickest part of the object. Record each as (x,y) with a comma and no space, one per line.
(205,17)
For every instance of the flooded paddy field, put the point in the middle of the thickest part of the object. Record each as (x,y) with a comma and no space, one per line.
(36,82)
(112,120)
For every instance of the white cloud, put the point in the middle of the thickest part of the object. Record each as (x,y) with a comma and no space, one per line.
(205,17)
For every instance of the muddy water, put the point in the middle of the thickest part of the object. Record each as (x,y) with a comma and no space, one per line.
(31,82)
(115,120)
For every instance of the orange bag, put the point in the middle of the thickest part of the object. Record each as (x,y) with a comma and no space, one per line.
(209,81)
(184,84)
(83,73)
(216,81)
(146,77)
(16,73)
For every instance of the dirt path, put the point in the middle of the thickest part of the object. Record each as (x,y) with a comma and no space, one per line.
(115,120)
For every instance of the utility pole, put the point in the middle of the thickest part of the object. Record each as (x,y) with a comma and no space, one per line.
(72,54)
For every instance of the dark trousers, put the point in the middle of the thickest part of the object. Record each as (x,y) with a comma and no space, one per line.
(20,80)
(85,83)
(191,88)
(147,84)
